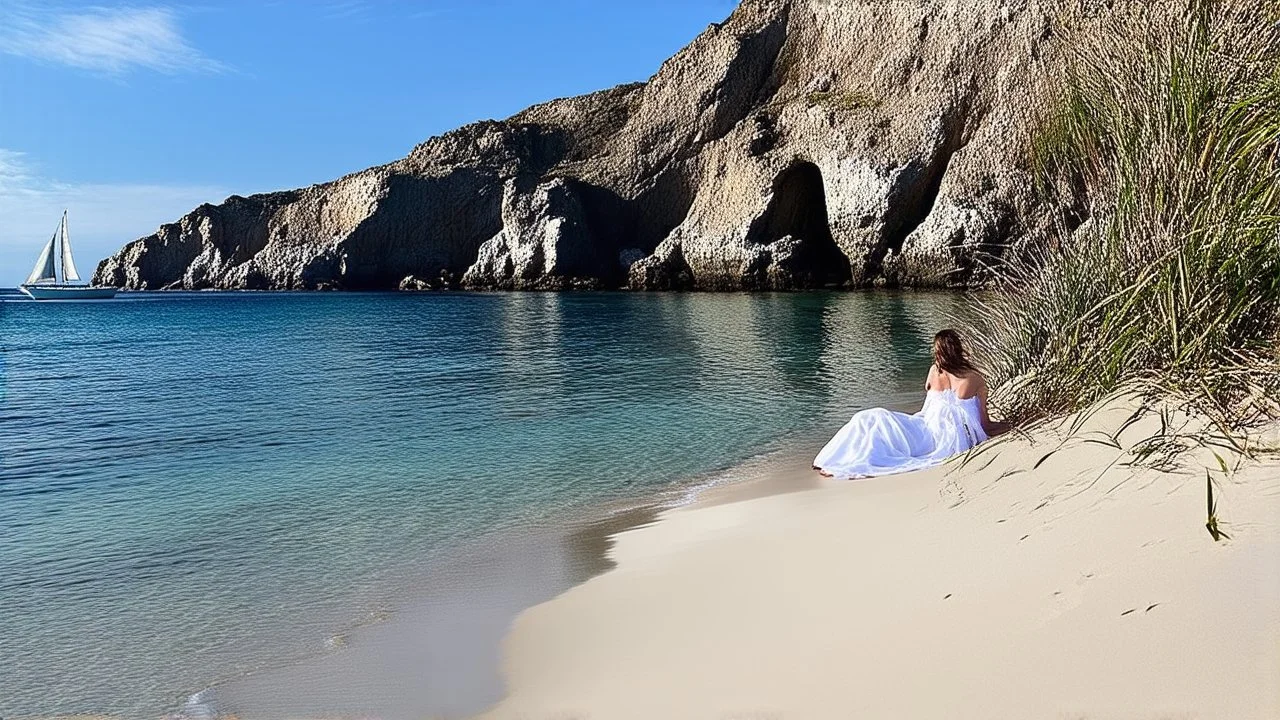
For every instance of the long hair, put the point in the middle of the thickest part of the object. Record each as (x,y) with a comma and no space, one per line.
(949,353)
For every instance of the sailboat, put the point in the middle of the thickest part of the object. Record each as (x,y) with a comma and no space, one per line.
(54,277)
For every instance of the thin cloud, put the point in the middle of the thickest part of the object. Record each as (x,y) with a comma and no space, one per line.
(103,216)
(346,10)
(108,40)
(364,10)
(13,170)
(430,13)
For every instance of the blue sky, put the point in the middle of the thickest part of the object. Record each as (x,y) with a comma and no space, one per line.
(132,114)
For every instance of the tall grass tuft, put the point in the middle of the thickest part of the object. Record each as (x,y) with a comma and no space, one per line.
(1160,153)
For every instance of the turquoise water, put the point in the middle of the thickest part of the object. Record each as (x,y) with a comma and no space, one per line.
(193,486)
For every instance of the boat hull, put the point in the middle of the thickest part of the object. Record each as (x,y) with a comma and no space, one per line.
(67,292)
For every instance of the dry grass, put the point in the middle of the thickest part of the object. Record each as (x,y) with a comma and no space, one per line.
(1163,274)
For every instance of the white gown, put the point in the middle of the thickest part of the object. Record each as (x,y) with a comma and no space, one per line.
(883,442)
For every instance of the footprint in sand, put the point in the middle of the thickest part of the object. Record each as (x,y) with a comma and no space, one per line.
(1069,598)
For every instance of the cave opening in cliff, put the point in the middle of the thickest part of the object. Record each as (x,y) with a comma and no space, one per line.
(798,210)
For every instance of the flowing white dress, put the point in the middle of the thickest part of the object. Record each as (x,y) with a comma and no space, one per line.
(883,442)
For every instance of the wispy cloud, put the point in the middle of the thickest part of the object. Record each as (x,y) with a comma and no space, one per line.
(365,10)
(107,40)
(428,13)
(346,9)
(103,216)
(13,169)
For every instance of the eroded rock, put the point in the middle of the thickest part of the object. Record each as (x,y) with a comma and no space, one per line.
(801,143)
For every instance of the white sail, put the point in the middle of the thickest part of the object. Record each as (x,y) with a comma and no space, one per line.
(44,270)
(69,273)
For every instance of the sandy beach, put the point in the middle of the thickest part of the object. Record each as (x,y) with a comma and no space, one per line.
(499,360)
(1081,588)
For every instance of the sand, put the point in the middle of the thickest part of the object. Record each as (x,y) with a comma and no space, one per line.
(1078,589)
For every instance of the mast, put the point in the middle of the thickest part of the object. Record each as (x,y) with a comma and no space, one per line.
(57,247)
(69,273)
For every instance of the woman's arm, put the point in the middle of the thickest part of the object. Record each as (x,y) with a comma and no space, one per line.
(989,426)
(933,374)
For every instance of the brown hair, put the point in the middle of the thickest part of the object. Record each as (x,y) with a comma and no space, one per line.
(949,353)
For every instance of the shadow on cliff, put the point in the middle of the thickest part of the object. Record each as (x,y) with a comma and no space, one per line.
(635,227)
(796,228)
(422,226)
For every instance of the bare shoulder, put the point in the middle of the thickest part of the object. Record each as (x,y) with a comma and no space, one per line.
(970,384)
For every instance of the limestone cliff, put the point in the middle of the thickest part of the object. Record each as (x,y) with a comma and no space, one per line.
(800,143)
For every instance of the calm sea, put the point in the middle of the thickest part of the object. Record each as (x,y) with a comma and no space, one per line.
(194,486)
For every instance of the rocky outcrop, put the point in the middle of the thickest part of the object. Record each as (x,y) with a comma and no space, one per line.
(801,143)
(544,243)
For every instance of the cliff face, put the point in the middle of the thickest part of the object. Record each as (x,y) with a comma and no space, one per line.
(800,143)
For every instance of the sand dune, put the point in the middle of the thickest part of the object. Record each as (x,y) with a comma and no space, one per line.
(1079,589)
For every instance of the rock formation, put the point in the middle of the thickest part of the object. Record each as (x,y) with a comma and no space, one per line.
(801,143)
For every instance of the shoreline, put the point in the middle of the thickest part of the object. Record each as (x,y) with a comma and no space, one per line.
(1078,588)
(353,677)
(439,654)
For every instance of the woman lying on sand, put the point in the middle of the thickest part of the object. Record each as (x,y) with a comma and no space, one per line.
(954,418)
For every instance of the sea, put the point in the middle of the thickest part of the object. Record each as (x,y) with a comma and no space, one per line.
(198,490)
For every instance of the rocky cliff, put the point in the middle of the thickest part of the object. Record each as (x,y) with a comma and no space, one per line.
(801,143)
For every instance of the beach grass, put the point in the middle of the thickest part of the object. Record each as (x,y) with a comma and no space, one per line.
(1160,270)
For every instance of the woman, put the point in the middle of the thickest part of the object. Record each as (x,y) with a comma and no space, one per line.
(954,419)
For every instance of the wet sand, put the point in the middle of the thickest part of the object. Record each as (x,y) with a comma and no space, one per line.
(438,656)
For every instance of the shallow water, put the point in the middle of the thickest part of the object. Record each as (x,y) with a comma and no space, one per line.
(193,486)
